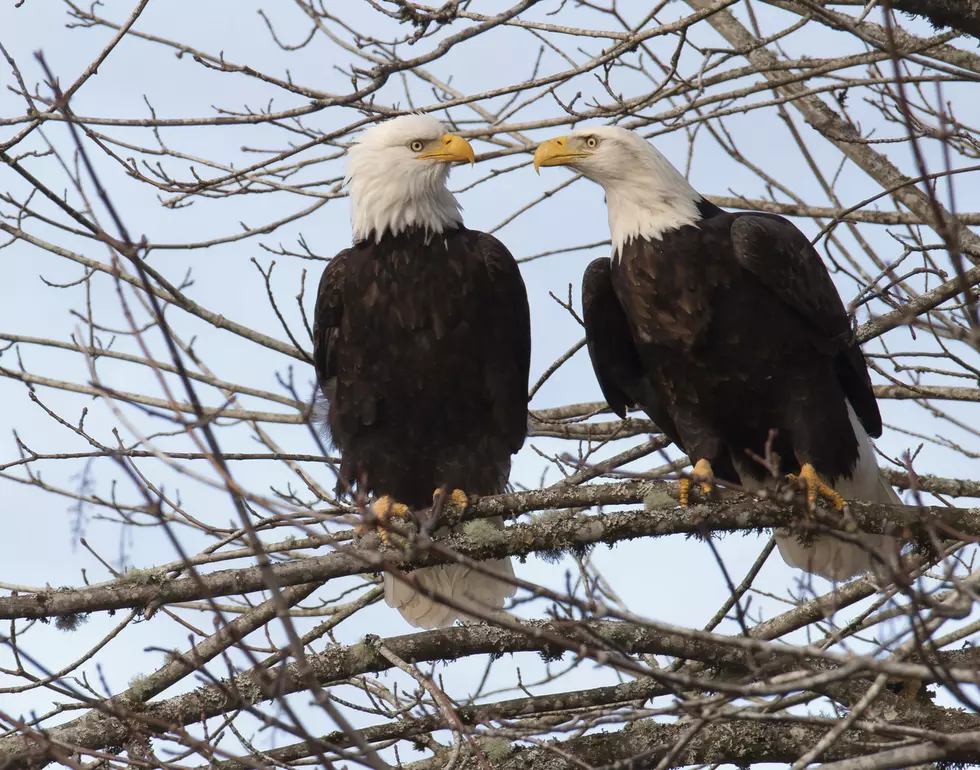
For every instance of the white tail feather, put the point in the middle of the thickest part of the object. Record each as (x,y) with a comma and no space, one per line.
(456,582)
(830,557)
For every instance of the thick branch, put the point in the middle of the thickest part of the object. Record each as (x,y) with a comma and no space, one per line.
(739,513)
(871,216)
(643,744)
(837,130)
(100,728)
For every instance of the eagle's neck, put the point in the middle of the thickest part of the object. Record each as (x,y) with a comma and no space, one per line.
(411,239)
(648,199)
(645,217)
(705,210)
(387,203)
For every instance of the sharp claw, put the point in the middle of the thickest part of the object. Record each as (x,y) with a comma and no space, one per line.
(685,492)
(385,508)
(701,473)
(457,498)
(817,487)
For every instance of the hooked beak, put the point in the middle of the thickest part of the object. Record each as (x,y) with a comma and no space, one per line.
(450,148)
(556,152)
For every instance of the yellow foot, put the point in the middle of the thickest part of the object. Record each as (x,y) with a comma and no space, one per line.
(457,498)
(816,487)
(385,508)
(701,473)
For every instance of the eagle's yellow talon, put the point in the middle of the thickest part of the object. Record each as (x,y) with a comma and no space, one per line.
(701,473)
(704,475)
(817,487)
(685,492)
(385,508)
(457,498)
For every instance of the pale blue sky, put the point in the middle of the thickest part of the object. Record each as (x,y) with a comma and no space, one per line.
(37,547)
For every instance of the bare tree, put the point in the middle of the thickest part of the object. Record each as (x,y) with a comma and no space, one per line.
(172,187)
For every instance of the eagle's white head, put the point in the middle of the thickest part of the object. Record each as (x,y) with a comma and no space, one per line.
(645,195)
(397,173)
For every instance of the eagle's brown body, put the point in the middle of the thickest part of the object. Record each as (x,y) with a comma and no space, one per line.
(728,331)
(422,346)
(736,330)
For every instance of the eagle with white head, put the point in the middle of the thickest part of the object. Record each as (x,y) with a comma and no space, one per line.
(726,328)
(421,343)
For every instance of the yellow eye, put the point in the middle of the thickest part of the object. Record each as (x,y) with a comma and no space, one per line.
(591,142)
(417,145)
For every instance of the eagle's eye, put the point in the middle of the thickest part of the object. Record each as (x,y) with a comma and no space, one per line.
(417,145)
(591,142)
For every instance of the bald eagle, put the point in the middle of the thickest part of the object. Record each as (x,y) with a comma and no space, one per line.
(726,329)
(422,349)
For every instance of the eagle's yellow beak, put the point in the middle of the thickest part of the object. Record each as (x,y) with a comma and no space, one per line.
(448,149)
(556,152)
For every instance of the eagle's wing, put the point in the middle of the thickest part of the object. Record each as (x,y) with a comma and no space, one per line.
(779,255)
(615,359)
(327,316)
(504,333)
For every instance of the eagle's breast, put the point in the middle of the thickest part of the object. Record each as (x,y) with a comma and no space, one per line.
(669,290)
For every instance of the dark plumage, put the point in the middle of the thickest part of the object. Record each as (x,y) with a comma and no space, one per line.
(421,342)
(726,329)
(738,329)
(423,350)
